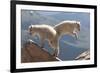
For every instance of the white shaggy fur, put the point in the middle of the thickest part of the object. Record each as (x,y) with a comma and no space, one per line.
(45,32)
(51,34)
(68,27)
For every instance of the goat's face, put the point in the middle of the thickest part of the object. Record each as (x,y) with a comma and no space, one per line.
(30,30)
(78,26)
(76,30)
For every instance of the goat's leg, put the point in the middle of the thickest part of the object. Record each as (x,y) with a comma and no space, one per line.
(42,43)
(55,44)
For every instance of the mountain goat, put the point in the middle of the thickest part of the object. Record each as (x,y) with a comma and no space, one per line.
(68,27)
(45,32)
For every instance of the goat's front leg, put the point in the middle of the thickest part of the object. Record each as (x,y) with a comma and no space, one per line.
(76,35)
(42,43)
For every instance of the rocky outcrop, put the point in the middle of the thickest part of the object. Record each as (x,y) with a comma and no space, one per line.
(31,52)
(84,56)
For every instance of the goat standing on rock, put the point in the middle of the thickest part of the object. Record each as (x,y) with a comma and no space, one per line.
(45,32)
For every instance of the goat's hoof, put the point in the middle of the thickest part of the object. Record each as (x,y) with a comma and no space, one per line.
(54,55)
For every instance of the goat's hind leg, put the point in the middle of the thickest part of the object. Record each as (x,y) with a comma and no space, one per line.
(56,48)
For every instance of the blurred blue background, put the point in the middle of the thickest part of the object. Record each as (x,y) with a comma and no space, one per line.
(70,48)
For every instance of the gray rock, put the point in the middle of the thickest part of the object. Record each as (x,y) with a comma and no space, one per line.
(84,56)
